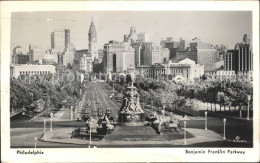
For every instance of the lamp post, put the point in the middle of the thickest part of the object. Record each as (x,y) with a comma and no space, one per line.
(71,113)
(51,121)
(224,137)
(35,140)
(185,133)
(113,87)
(163,111)
(90,125)
(44,128)
(219,104)
(248,98)
(206,120)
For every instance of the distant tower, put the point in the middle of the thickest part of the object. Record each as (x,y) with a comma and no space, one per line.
(92,41)
(246,39)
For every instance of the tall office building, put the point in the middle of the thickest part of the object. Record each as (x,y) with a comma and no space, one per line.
(60,44)
(172,45)
(118,56)
(132,36)
(245,57)
(207,56)
(230,58)
(202,53)
(60,39)
(138,47)
(240,59)
(92,41)
(153,53)
(143,37)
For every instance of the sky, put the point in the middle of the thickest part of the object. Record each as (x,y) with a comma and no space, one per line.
(216,27)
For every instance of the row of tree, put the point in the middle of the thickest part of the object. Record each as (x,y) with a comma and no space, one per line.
(172,94)
(37,92)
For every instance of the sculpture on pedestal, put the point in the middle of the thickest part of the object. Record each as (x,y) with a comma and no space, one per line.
(131,112)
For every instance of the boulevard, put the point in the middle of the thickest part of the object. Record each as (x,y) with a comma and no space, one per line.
(23,130)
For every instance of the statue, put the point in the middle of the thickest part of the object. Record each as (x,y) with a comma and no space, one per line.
(131,112)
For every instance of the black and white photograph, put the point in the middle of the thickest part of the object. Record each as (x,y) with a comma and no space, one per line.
(119,79)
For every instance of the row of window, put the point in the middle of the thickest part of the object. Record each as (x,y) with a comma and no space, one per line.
(34,72)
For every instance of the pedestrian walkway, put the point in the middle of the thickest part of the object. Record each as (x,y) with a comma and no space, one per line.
(175,116)
(200,136)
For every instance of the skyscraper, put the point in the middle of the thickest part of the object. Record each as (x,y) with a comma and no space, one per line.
(240,59)
(118,56)
(60,44)
(245,58)
(58,39)
(92,41)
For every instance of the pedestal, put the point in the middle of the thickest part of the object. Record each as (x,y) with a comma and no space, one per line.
(131,119)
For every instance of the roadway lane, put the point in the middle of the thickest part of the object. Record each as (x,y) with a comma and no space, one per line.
(110,104)
(97,91)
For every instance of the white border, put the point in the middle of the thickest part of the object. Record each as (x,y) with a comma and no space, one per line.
(117,154)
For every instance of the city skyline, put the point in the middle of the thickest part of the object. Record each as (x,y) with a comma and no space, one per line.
(210,26)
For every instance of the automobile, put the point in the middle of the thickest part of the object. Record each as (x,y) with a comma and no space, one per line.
(98,101)
(86,111)
(30,114)
(111,96)
(85,118)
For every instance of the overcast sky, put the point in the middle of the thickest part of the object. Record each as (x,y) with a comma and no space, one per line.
(217,27)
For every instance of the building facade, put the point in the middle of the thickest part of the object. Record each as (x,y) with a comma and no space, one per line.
(240,59)
(185,68)
(245,57)
(118,56)
(172,45)
(60,39)
(187,53)
(86,64)
(21,59)
(143,37)
(152,53)
(230,58)
(132,36)
(60,44)
(17,70)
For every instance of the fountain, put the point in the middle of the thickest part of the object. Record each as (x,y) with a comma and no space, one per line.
(131,112)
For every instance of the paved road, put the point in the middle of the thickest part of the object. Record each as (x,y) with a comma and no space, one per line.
(23,131)
(98,91)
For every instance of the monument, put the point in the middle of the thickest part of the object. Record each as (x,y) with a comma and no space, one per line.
(131,112)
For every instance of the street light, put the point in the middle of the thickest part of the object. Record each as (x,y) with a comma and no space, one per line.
(248,98)
(206,120)
(71,113)
(224,137)
(163,111)
(113,86)
(219,104)
(90,123)
(51,121)
(152,106)
(35,140)
(185,133)
(44,128)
